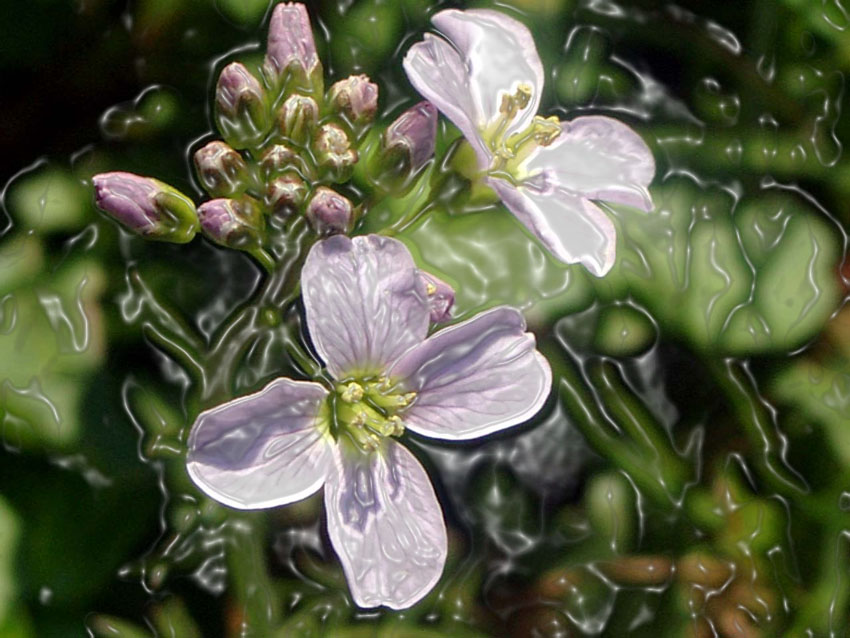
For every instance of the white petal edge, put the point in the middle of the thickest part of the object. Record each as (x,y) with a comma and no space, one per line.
(385,524)
(261,450)
(596,157)
(364,301)
(572,228)
(475,378)
(499,54)
(436,70)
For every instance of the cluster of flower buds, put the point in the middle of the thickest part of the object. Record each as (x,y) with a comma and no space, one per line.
(286,147)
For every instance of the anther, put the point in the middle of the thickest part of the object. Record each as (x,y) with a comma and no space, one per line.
(352,393)
(546,130)
(396,426)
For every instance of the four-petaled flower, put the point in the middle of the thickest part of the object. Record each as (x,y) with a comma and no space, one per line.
(368,311)
(487,79)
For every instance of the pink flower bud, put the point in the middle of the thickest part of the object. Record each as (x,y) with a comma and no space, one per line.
(286,192)
(329,212)
(221,169)
(146,206)
(415,132)
(235,223)
(291,40)
(356,97)
(241,109)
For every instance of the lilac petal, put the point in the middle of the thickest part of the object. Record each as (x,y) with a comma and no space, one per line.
(385,524)
(261,450)
(499,55)
(364,301)
(436,70)
(573,229)
(598,158)
(474,378)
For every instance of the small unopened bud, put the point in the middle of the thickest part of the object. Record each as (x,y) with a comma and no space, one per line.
(329,212)
(146,206)
(221,169)
(441,297)
(235,223)
(355,97)
(241,110)
(291,47)
(298,117)
(407,144)
(286,193)
(333,151)
(414,132)
(277,159)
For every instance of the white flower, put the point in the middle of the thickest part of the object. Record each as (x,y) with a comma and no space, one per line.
(368,310)
(486,77)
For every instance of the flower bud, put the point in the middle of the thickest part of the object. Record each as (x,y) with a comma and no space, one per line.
(441,297)
(329,212)
(298,117)
(241,110)
(277,159)
(356,98)
(291,48)
(221,169)
(286,193)
(407,145)
(146,206)
(414,132)
(333,152)
(235,223)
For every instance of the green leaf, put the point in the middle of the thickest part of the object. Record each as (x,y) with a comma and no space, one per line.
(821,390)
(52,339)
(49,199)
(763,279)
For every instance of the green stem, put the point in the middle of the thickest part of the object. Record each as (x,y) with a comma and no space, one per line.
(164,320)
(263,258)
(255,597)
(173,346)
(739,387)
(582,405)
(300,356)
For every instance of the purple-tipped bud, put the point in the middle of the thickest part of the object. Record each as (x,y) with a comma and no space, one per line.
(291,45)
(298,117)
(221,169)
(235,223)
(356,97)
(241,109)
(333,151)
(146,206)
(286,193)
(277,159)
(441,297)
(329,212)
(414,132)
